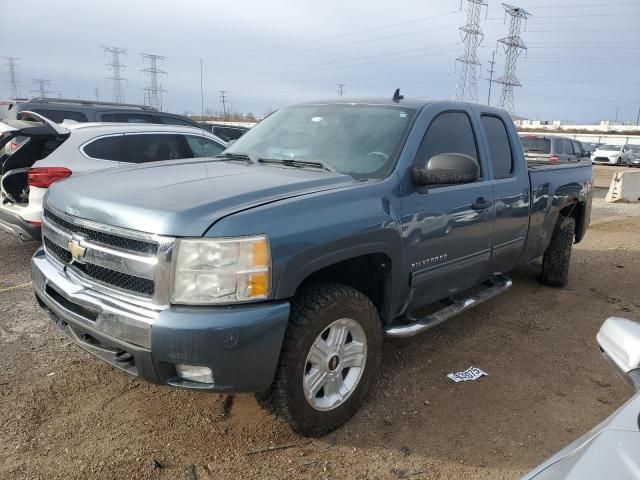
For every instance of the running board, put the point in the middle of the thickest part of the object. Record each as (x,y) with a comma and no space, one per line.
(499,284)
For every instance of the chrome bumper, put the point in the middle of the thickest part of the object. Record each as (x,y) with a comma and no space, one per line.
(75,303)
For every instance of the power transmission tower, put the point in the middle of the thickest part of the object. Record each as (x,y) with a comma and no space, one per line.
(41,85)
(96,93)
(153,93)
(341,89)
(12,68)
(467,85)
(491,70)
(117,67)
(513,46)
(223,99)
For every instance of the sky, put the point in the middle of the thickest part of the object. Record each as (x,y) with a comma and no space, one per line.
(582,63)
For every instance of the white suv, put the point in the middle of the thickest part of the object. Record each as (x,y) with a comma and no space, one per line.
(43,152)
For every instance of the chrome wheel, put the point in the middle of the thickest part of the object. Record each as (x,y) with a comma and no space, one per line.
(335,364)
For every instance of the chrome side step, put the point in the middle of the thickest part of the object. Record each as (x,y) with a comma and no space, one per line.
(499,284)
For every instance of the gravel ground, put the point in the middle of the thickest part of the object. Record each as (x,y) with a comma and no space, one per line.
(66,415)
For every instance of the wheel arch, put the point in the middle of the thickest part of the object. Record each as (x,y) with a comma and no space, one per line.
(372,268)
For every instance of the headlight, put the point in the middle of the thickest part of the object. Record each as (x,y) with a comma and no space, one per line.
(221,270)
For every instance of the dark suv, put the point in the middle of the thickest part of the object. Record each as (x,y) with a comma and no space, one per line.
(59,109)
(552,149)
(224,131)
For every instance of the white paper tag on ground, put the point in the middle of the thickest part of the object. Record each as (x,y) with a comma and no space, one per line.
(471,373)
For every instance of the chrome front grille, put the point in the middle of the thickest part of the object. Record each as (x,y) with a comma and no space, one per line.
(133,265)
(102,237)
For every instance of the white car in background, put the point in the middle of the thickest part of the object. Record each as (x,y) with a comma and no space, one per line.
(48,152)
(612,154)
(634,161)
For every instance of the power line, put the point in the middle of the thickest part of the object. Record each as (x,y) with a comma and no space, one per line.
(343,65)
(573,5)
(359,32)
(527,94)
(153,92)
(12,68)
(354,42)
(41,86)
(467,85)
(341,89)
(117,67)
(513,45)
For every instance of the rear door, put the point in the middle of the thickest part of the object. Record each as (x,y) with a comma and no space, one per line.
(510,179)
(447,228)
(578,152)
(566,149)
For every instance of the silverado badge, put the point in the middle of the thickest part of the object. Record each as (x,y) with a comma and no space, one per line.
(77,251)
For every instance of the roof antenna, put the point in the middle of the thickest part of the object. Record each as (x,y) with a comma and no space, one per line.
(396,95)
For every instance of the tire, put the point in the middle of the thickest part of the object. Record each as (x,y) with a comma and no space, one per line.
(619,161)
(557,256)
(318,310)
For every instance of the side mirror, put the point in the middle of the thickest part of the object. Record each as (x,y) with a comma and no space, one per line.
(446,169)
(619,340)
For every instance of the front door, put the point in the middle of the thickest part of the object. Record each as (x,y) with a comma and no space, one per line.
(447,228)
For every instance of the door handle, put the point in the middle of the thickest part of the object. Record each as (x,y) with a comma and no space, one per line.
(480,204)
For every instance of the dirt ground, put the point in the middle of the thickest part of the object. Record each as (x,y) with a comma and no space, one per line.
(66,415)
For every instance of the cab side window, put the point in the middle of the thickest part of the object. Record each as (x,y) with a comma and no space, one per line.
(499,146)
(449,132)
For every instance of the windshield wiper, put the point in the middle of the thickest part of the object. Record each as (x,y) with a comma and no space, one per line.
(236,156)
(298,163)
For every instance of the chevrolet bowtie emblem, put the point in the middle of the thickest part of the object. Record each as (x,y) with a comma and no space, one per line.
(75,249)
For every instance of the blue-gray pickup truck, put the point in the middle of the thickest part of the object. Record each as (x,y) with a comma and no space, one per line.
(278,267)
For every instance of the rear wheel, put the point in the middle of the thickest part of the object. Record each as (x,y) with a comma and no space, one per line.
(329,359)
(557,256)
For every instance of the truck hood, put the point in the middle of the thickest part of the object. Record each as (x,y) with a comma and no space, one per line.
(182,198)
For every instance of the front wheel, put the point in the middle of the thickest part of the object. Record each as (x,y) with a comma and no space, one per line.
(619,161)
(331,352)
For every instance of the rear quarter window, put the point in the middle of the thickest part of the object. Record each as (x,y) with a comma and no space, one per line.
(499,146)
(105,148)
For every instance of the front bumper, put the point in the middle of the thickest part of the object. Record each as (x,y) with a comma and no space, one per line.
(14,224)
(240,344)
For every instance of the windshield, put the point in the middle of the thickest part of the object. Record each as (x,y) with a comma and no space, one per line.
(609,147)
(359,140)
(536,144)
